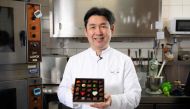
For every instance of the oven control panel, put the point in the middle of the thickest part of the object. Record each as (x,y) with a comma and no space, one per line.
(33,32)
(35,93)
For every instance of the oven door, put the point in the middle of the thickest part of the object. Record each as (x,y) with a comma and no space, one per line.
(12,32)
(13,94)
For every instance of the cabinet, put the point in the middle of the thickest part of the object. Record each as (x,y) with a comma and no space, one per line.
(145,106)
(134,18)
(163,102)
(163,106)
(172,106)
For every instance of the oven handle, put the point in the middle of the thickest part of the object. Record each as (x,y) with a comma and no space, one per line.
(23,38)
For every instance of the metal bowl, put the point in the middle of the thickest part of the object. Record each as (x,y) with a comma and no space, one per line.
(154,83)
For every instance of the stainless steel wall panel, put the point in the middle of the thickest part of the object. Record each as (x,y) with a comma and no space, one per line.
(134,18)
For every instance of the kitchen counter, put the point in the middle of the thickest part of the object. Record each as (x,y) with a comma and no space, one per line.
(150,101)
(150,98)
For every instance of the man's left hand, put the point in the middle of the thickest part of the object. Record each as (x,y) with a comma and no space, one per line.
(105,104)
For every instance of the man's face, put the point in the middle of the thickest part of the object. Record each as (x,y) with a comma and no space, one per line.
(99,32)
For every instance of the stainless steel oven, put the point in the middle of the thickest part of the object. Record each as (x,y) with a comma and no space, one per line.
(12,32)
(13,94)
(20,32)
(23,93)
(20,55)
(20,86)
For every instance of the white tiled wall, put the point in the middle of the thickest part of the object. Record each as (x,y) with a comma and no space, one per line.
(172,2)
(175,8)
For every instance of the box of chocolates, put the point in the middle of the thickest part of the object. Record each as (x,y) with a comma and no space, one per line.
(88,90)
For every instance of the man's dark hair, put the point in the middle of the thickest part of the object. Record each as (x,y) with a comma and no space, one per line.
(100,12)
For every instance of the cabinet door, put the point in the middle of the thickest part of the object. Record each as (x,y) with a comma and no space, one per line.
(145,106)
(172,106)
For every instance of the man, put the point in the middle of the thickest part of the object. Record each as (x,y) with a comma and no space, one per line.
(122,89)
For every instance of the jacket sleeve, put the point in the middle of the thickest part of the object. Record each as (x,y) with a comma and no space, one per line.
(65,88)
(64,92)
(132,91)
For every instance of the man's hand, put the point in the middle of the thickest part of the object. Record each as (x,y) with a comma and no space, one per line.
(103,105)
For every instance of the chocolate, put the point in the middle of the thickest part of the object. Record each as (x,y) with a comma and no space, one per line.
(88,90)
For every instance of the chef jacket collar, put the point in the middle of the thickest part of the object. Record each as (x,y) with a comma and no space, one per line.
(93,52)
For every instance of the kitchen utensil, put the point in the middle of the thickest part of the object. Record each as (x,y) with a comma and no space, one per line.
(168,57)
(163,64)
(129,52)
(154,83)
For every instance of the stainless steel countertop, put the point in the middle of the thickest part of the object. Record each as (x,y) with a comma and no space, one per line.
(150,98)
(50,89)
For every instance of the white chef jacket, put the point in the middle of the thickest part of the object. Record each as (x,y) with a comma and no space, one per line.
(117,70)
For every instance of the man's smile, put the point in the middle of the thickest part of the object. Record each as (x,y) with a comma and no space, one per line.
(99,38)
